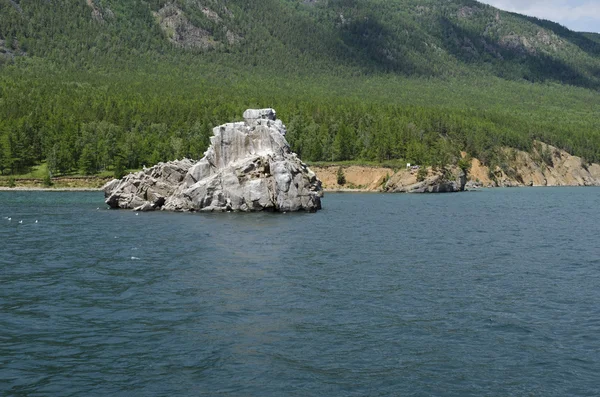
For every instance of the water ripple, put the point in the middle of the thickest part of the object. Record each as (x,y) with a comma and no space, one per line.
(489,294)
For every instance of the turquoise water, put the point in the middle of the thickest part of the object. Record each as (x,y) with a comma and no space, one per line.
(491,293)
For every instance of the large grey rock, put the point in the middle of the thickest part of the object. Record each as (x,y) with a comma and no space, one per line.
(148,189)
(248,167)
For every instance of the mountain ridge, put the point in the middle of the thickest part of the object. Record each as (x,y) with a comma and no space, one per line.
(413,38)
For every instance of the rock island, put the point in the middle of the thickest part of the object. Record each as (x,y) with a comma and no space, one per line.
(248,167)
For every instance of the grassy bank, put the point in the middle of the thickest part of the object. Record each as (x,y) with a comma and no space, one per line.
(55,183)
(38,177)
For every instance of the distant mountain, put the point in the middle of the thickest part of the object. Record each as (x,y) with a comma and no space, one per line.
(407,37)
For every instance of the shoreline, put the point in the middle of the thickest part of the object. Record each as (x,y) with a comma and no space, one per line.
(48,189)
(83,189)
(525,170)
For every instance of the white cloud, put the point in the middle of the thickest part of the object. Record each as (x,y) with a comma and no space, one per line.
(575,14)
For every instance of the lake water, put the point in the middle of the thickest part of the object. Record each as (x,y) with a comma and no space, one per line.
(490,293)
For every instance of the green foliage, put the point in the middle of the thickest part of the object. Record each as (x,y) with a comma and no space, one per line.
(12,182)
(447,174)
(386,179)
(465,164)
(545,154)
(119,171)
(341,177)
(426,38)
(48,180)
(422,174)
(3,158)
(382,81)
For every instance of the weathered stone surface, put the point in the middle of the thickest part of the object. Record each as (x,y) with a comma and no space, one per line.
(545,165)
(150,186)
(248,167)
(473,185)
(445,181)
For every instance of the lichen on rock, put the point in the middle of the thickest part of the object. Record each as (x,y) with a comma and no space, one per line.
(248,167)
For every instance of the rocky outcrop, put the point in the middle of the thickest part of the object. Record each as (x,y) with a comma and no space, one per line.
(248,167)
(180,30)
(447,180)
(148,189)
(361,178)
(545,165)
(473,185)
(383,179)
(100,14)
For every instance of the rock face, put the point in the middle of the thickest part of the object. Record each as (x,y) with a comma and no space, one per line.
(148,189)
(449,180)
(181,31)
(248,167)
(361,178)
(546,165)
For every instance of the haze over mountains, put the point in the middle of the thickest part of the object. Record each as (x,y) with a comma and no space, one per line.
(372,80)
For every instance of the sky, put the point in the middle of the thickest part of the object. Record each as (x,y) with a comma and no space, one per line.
(578,15)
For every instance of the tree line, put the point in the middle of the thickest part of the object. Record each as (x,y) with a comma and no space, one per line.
(110,122)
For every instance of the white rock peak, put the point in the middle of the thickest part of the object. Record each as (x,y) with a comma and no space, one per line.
(248,167)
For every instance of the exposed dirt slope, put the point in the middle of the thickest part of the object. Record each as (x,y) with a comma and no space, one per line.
(544,166)
(369,179)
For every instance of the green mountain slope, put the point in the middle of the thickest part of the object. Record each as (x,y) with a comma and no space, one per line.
(91,85)
(409,37)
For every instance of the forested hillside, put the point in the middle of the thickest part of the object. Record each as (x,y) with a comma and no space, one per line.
(95,85)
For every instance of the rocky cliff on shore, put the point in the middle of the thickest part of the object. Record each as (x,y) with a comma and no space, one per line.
(545,165)
(248,167)
(447,180)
